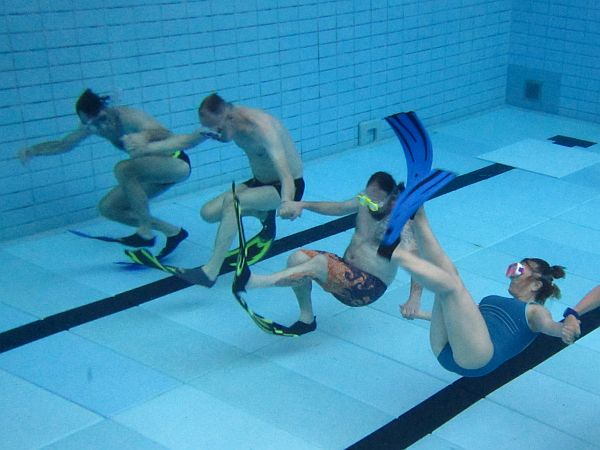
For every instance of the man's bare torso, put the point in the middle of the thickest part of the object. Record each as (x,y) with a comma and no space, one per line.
(263,138)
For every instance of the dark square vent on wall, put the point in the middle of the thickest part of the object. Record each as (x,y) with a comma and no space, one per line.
(533,90)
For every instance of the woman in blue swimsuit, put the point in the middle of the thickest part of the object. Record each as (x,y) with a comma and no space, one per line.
(471,339)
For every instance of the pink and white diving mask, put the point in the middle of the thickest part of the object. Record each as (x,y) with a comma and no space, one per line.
(515,270)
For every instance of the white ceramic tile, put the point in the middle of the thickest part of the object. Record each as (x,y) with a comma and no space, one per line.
(586,214)
(568,409)
(33,417)
(528,193)
(171,348)
(431,442)
(12,317)
(390,336)
(85,373)
(443,142)
(489,263)
(589,177)
(334,363)
(39,291)
(216,313)
(506,125)
(543,157)
(88,262)
(187,418)
(105,435)
(456,162)
(574,365)
(319,415)
(576,236)
(591,341)
(503,428)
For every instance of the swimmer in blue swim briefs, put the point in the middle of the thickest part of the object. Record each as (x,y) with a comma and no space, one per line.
(470,339)
(361,275)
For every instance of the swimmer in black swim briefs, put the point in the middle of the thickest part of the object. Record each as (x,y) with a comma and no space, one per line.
(148,172)
(272,156)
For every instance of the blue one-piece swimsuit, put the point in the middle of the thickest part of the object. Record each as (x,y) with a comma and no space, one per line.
(507,324)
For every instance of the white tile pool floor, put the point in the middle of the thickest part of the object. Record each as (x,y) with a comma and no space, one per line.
(189,370)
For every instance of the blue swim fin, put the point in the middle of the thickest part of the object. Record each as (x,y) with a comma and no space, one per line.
(416,144)
(134,240)
(407,205)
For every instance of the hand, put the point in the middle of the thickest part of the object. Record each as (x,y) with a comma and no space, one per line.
(134,143)
(570,330)
(210,134)
(290,210)
(411,309)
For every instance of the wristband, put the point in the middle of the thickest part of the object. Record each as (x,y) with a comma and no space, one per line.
(571,312)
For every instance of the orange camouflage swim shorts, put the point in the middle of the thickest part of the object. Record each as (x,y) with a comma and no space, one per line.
(349,284)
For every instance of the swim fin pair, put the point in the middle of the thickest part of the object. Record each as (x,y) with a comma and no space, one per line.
(135,240)
(421,183)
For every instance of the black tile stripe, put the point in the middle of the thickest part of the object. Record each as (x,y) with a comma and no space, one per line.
(568,141)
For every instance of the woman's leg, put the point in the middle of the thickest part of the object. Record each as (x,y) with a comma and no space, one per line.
(438,336)
(456,318)
(428,245)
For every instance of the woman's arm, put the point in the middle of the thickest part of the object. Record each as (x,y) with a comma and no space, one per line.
(67,143)
(540,321)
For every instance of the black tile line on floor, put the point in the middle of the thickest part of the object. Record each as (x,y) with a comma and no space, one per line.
(427,416)
(66,320)
(568,141)
(77,316)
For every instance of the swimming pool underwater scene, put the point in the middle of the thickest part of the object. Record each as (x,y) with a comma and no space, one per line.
(100,352)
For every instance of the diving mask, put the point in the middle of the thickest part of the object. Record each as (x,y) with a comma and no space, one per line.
(515,270)
(366,201)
